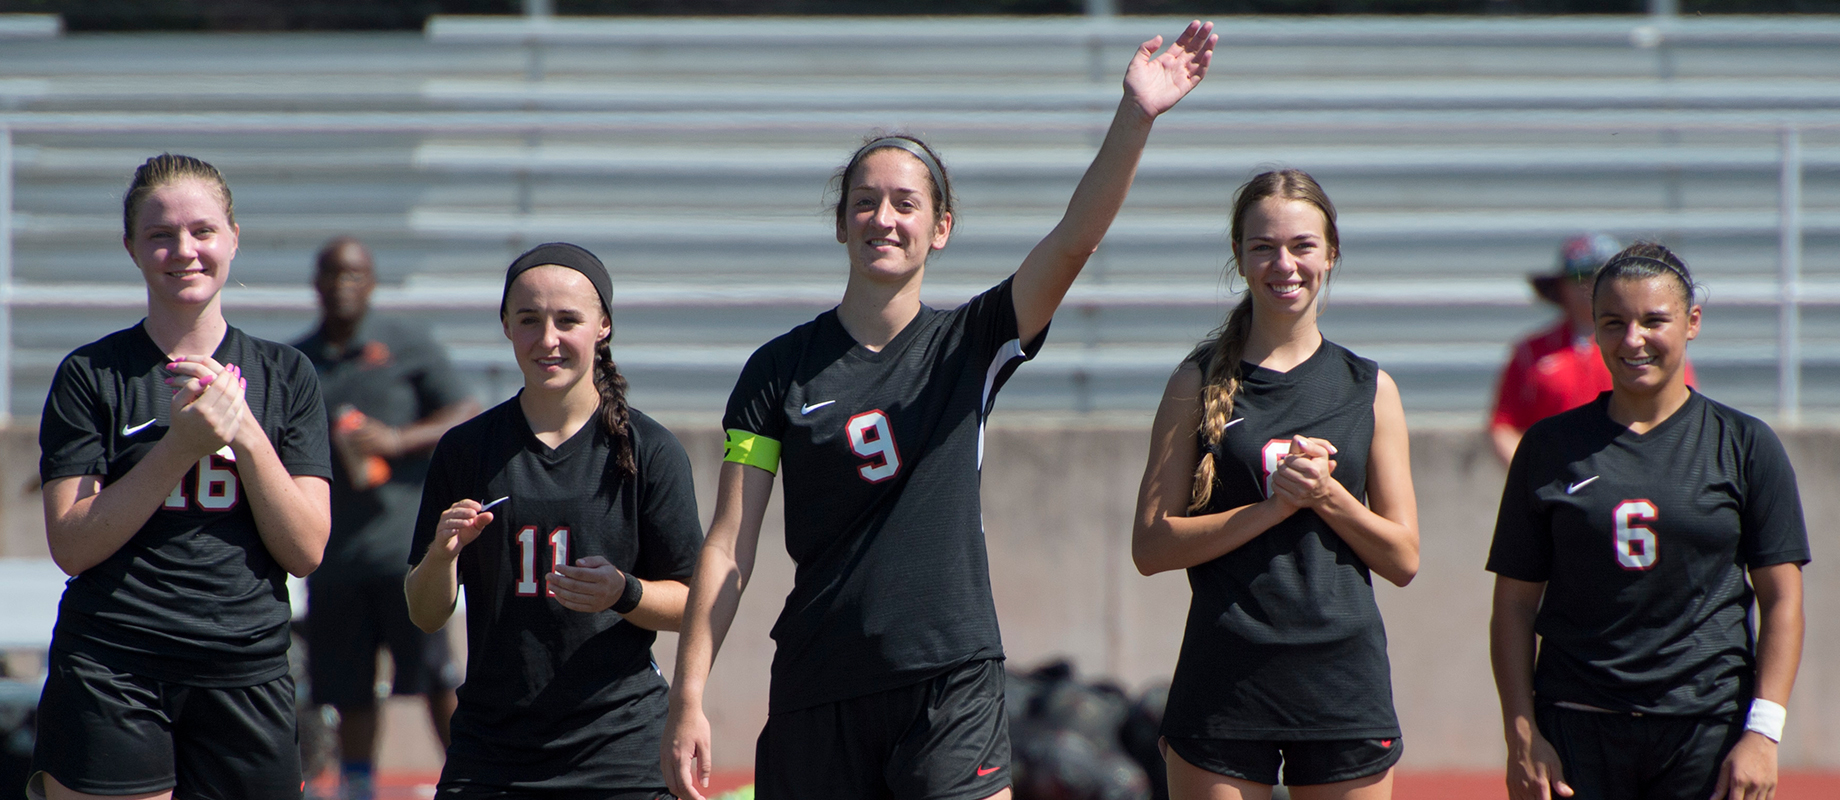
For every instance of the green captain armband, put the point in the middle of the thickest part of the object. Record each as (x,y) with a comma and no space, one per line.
(751,449)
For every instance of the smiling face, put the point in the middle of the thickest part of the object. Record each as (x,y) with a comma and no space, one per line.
(183,242)
(1284,254)
(1643,326)
(554,320)
(889,223)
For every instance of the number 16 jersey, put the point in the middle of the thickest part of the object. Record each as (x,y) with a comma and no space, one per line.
(881,452)
(1643,540)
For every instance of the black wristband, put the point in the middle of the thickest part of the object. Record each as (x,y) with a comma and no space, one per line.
(629,599)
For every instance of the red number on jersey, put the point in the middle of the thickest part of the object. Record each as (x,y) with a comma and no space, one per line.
(215,486)
(873,438)
(527,558)
(1636,545)
(1270,455)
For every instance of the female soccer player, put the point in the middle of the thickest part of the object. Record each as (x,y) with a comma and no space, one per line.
(1628,527)
(571,521)
(185,469)
(1279,477)
(888,678)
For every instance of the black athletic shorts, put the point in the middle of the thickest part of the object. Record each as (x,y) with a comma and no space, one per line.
(946,738)
(103,731)
(1604,754)
(467,791)
(1306,763)
(347,621)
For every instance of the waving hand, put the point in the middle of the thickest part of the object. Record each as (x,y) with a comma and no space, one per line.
(1156,82)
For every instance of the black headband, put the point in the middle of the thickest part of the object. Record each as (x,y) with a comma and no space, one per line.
(562,254)
(909,145)
(1678,272)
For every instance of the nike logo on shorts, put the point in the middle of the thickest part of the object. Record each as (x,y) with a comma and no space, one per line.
(1573,489)
(130,430)
(807,409)
(982,771)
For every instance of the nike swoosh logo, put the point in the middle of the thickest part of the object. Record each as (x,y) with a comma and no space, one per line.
(807,409)
(127,430)
(982,771)
(1233,422)
(1573,489)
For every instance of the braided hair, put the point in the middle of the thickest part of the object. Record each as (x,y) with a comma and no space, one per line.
(1221,352)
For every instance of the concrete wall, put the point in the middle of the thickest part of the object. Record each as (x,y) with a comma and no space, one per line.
(1058,498)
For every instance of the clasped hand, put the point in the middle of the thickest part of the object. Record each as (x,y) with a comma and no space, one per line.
(208,408)
(1304,477)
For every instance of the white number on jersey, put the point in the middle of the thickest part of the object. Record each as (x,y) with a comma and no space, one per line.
(215,487)
(1271,454)
(873,438)
(527,558)
(1635,543)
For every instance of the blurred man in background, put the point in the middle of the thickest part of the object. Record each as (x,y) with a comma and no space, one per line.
(391,394)
(1558,368)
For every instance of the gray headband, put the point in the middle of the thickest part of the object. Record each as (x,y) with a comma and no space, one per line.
(909,145)
(1647,260)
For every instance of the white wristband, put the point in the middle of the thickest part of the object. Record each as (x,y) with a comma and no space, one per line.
(1767,718)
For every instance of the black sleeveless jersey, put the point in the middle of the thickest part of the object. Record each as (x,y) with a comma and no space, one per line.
(881,452)
(554,698)
(1643,541)
(1284,641)
(194,597)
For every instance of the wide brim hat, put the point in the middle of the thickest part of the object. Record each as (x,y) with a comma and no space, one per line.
(1579,258)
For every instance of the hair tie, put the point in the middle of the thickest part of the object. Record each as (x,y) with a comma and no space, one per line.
(909,145)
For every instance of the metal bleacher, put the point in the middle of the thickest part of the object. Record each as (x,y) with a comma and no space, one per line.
(693,155)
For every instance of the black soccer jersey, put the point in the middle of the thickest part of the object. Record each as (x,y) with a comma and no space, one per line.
(1284,641)
(1643,541)
(554,698)
(881,452)
(194,598)
(393,373)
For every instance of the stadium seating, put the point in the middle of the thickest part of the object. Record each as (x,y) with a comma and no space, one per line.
(693,156)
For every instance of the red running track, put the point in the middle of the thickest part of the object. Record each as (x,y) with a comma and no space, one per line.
(1407,786)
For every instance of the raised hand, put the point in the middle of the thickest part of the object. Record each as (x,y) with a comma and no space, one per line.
(460,524)
(1156,82)
(207,407)
(594,584)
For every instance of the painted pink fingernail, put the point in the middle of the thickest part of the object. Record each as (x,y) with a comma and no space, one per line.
(245,383)
(206,380)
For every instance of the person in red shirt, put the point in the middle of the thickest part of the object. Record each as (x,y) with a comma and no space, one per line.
(1558,368)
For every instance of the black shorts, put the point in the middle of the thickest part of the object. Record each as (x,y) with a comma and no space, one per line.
(347,621)
(103,731)
(1607,755)
(1306,763)
(945,738)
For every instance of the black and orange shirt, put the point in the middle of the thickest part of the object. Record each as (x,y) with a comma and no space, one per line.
(879,452)
(194,597)
(1643,542)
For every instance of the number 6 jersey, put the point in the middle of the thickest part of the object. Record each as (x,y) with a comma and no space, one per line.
(1643,541)
(194,597)
(881,452)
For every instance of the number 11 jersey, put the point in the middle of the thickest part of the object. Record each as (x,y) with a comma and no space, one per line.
(882,451)
(1643,541)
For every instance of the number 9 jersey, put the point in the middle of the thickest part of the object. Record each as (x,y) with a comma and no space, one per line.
(1643,541)
(882,452)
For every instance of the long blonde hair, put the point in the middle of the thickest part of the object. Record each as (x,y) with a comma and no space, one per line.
(1222,350)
